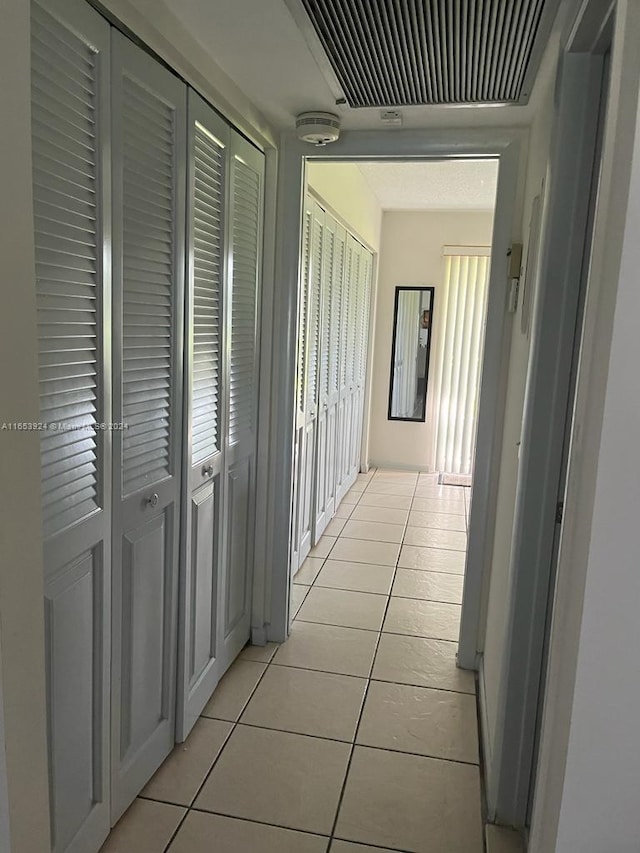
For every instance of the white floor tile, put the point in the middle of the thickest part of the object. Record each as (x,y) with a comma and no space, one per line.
(423,619)
(438,505)
(334,528)
(359,577)
(362,551)
(420,661)
(412,803)
(308,571)
(180,776)
(381,487)
(432,559)
(233,692)
(380,513)
(347,651)
(390,501)
(373,531)
(440,520)
(343,607)
(430,537)
(323,547)
(298,595)
(233,835)
(431,586)
(292,764)
(307,702)
(421,721)
(146,827)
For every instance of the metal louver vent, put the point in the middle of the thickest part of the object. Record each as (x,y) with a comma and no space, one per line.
(413,52)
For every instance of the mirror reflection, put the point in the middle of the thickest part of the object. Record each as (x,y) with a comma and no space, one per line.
(412,323)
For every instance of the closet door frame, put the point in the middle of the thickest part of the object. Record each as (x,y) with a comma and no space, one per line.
(203,489)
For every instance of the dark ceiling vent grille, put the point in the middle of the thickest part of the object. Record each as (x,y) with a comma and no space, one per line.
(388,53)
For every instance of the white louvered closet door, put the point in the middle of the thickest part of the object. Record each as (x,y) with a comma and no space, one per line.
(324,500)
(362,335)
(246,203)
(199,660)
(312,335)
(350,467)
(149,142)
(333,417)
(344,390)
(301,388)
(70,126)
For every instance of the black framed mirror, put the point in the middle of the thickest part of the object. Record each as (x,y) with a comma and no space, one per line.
(410,350)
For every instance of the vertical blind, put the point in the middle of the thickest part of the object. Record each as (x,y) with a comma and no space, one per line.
(460,354)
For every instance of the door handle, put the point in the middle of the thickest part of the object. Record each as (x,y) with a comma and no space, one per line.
(207,471)
(152,500)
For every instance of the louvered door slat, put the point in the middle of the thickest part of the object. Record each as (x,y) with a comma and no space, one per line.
(65,157)
(246,203)
(147,271)
(208,224)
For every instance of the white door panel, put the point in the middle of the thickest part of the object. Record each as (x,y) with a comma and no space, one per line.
(199,660)
(149,133)
(71,198)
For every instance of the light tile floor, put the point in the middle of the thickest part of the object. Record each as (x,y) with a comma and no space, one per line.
(358,734)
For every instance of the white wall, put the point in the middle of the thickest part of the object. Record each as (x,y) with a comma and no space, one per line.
(343,187)
(589,766)
(411,254)
(21,596)
(495,604)
(5,833)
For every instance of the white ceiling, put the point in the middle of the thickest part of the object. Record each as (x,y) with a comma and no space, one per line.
(261,47)
(441,185)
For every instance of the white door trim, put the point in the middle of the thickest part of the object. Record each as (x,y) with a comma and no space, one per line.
(504,144)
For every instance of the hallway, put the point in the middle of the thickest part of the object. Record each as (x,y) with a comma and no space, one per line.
(360,728)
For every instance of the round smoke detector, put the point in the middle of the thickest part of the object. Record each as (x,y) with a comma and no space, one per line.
(318,128)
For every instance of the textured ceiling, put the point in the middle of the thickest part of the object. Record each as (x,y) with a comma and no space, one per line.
(441,185)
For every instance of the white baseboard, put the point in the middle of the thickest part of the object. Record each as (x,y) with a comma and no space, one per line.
(484,731)
(374,463)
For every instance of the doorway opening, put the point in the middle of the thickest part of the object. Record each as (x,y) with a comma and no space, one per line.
(394,273)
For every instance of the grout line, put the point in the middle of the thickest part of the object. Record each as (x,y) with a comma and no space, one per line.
(262,822)
(368,680)
(437,571)
(382,630)
(365,678)
(352,742)
(364,700)
(234,724)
